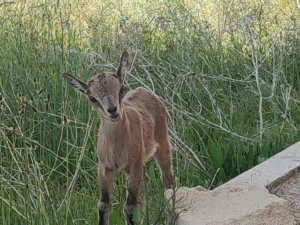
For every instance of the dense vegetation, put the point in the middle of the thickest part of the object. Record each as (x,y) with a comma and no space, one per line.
(227,70)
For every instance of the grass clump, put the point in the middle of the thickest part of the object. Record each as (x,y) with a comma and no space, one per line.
(228,73)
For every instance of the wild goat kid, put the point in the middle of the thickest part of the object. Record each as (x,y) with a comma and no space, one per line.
(133,129)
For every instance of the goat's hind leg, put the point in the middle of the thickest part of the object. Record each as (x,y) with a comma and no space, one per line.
(106,178)
(164,160)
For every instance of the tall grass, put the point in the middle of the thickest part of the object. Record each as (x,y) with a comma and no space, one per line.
(228,72)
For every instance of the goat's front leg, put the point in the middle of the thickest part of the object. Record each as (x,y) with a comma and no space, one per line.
(106,179)
(135,189)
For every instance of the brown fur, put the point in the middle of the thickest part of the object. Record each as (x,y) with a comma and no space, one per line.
(133,129)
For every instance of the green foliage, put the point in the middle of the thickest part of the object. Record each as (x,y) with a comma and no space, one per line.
(228,72)
(137,215)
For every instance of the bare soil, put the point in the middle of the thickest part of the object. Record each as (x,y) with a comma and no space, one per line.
(288,188)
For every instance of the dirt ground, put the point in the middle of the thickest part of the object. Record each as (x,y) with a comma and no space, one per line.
(289,189)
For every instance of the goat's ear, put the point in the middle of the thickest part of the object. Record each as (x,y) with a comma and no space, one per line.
(123,67)
(75,83)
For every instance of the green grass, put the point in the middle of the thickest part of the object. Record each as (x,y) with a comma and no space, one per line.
(229,75)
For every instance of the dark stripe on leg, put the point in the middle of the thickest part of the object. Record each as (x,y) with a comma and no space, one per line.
(131,199)
(130,206)
(104,207)
(104,196)
(101,217)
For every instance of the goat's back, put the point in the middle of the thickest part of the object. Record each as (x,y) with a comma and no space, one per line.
(146,108)
(146,103)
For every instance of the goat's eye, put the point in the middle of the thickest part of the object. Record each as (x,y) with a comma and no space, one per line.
(93,100)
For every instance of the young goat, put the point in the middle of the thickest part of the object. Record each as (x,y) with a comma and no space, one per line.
(133,129)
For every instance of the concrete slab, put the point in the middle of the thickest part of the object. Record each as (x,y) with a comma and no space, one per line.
(246,199)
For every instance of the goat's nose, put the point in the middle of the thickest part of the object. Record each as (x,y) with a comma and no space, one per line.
(112,109)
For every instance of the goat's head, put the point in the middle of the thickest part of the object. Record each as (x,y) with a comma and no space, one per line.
(105,90)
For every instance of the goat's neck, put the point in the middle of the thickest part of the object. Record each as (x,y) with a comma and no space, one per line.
(114,129)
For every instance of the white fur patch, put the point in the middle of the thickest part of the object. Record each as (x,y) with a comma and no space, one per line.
(152,151)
